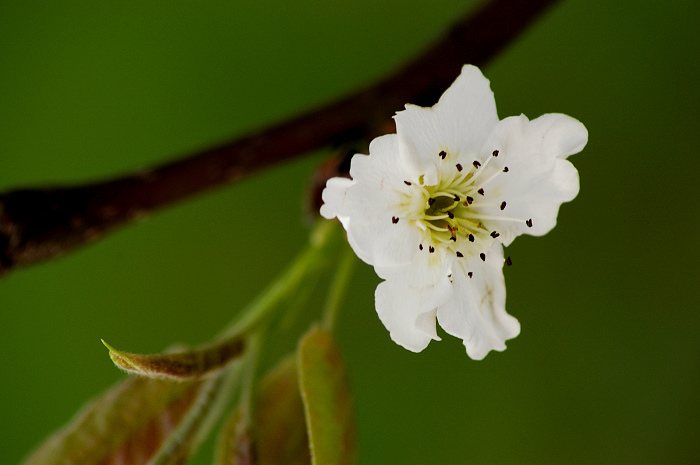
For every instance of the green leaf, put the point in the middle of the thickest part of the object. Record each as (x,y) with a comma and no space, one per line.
(274,432)
(190,364)
(327,403)
(126,425)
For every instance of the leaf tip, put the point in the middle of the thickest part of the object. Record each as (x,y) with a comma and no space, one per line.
(119,358)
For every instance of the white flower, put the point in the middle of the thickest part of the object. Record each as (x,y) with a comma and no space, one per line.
(433,205)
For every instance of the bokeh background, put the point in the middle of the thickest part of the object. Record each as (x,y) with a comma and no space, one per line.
(607,368)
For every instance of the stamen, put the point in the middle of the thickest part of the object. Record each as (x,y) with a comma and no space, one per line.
(478,173)
(503,205)
(442,154)
(407,183)
(494,234)
(470,274)
(431,249)
(529,223)
(481,191)
(494,175)
(471,238)
(468,224)
(456,198)
(453,239)
(469,200)
(476,164)
(495,153)
(485,204)
(431,201)
(461,177)
(435,218)
(420,246)
(451,215)
(482,256)
(449,193)
(475,216)
(505,169)
(509,261)
(394,219)
(435,228)
(459,254)
(459,167)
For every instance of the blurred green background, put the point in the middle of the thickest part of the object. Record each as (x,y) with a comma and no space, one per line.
(607,368)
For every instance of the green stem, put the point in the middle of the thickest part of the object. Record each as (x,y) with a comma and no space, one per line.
(339,287)
(248,379)
(307,261)
(211,399)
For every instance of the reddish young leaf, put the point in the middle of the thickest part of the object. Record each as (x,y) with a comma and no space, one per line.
(125,426)
(276,433)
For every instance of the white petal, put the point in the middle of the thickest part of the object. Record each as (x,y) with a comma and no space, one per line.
(425,268)
(476,312)
(408,312)
(379,242)
(383,162)
(371,206)
(467,110)
(334,199)
(539,179)
(561,135)
(458,124)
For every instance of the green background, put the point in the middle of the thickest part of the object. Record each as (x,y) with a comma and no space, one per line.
(607,368)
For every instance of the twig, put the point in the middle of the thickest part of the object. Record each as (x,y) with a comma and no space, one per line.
(39,224)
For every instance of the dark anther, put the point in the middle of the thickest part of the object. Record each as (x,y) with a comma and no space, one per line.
(529,223)
(503,205)
(495,153)
(459,167)
(431,201)
(451,215)
(431,249)
(494,234)
(394,219)
(407,183)
(420,246)
(470,274)
(459,254)
(470,200)
(456,198)
(483,257)
(505,170)
(481,191)
(509,261)
(476,164)
(471,238)
(442,154)
(453,238)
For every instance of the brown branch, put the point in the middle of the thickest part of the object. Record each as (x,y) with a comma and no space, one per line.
(38,224)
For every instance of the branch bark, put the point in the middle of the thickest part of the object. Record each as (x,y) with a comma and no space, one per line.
(39,224)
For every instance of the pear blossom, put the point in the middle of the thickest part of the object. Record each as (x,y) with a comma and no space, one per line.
(432,206)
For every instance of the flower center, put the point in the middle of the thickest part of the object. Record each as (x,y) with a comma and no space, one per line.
(453,216)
